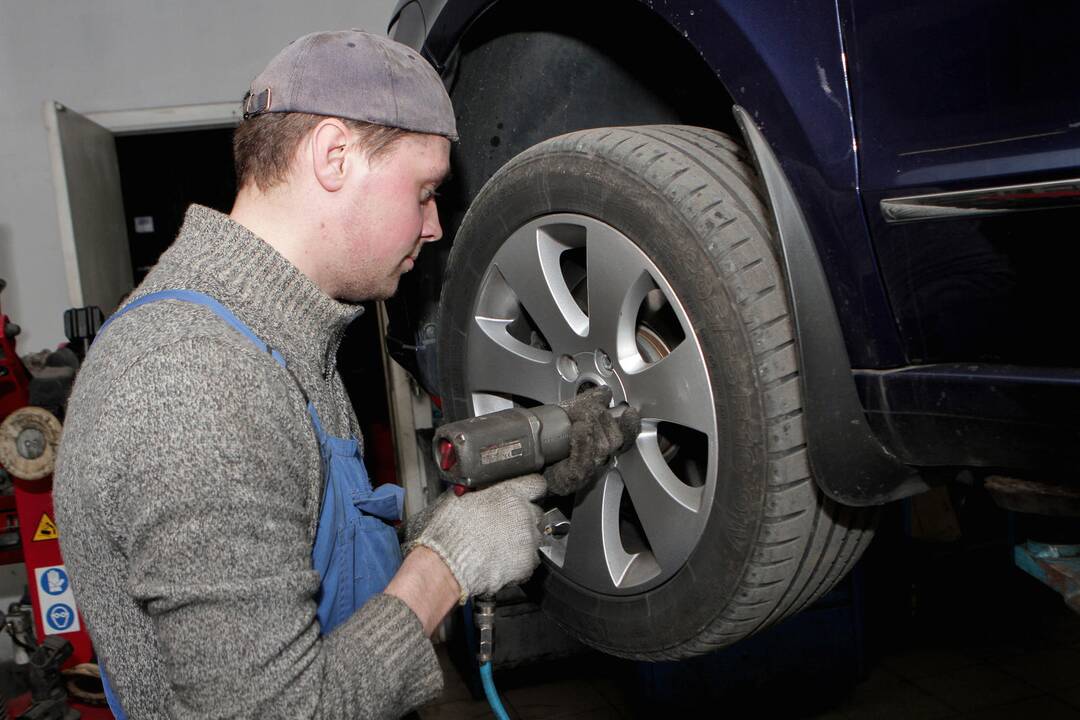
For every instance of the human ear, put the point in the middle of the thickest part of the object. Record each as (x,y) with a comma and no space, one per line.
(329,146)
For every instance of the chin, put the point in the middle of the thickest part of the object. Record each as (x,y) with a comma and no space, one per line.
(389,292)
(358,295)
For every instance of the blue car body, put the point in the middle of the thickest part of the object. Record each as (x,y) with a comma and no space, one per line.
(932,149)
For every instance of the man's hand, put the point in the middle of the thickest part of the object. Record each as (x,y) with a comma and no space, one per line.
(594,437)
(488,538)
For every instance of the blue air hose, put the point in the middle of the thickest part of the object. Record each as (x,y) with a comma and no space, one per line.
(491,693)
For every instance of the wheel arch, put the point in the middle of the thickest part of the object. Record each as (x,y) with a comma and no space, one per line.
(722,52)
(719,52)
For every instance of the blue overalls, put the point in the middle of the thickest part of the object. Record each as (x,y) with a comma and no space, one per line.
(356,551)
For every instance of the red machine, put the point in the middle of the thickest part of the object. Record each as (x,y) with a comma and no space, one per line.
(14,377)
(28,441)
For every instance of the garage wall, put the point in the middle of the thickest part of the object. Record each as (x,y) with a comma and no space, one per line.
(118,55)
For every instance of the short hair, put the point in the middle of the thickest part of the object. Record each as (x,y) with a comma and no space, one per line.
(264,145)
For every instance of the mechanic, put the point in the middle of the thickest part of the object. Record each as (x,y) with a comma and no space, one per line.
(228,552)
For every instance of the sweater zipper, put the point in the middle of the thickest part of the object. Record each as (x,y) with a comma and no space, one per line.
(331,358)
(328,375)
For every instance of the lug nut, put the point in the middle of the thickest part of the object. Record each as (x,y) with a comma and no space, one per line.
(603,363)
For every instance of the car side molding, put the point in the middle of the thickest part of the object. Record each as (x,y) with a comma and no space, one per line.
(982,201)
(849,463)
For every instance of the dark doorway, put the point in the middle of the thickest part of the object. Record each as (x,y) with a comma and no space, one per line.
(160,175)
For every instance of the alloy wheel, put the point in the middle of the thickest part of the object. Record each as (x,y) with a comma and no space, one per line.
(567,303)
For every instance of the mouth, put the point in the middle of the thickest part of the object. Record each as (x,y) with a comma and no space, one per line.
(410,259)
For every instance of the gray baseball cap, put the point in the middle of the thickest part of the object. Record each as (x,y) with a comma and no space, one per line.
(356,75)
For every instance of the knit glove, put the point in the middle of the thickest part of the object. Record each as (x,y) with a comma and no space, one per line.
(594,437)
(488,538)
(416,523)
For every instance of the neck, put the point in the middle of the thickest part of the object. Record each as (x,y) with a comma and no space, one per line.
(274,217)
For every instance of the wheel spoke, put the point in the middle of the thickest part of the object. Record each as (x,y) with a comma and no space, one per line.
(618,281)
(674,389)
(669,510)
(505,365)
(594,549)
(529,262)
(534,287)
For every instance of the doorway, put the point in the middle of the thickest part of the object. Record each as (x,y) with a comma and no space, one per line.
(161,174)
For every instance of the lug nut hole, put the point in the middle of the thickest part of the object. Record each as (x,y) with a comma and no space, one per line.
(585,387)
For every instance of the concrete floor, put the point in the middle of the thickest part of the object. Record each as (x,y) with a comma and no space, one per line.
(1028,669)
(947,631)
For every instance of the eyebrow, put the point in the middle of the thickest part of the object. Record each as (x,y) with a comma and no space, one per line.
(444,177)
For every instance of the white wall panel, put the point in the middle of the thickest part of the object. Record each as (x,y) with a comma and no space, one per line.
(114,55)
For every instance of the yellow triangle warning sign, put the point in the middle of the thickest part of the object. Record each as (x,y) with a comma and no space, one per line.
(46,529)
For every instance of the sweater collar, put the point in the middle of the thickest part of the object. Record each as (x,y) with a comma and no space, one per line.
(216,255)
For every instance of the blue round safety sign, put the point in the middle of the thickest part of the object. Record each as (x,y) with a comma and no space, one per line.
(54,581)
(60,616)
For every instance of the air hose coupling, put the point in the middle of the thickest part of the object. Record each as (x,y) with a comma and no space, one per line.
(484,617)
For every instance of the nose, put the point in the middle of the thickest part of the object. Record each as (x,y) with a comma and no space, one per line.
(432,230)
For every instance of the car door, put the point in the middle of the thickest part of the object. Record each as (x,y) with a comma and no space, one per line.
(968,124)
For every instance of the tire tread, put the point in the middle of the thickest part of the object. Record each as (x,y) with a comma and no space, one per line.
(820,543)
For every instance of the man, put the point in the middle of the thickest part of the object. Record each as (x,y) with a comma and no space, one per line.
(226,548)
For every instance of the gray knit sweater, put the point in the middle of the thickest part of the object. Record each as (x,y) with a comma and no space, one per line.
(187,492)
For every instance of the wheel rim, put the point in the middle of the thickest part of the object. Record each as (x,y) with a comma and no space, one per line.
(568,301)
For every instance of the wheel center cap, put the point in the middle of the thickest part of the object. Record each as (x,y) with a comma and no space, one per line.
(585,370)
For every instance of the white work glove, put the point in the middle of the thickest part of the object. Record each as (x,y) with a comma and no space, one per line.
(488,538)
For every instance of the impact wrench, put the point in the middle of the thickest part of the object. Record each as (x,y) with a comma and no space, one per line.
(479,451)
(490,448)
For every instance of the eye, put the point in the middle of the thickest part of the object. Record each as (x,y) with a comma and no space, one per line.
(429,195)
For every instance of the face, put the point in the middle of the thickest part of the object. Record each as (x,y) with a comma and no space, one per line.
(387,213)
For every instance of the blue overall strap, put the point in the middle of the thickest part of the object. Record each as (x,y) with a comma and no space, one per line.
(110,695)
(198,298)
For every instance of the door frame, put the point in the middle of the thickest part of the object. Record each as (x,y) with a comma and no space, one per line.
(168,119)
(138,121)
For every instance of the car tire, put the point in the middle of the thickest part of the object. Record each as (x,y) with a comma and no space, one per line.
(673,552)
